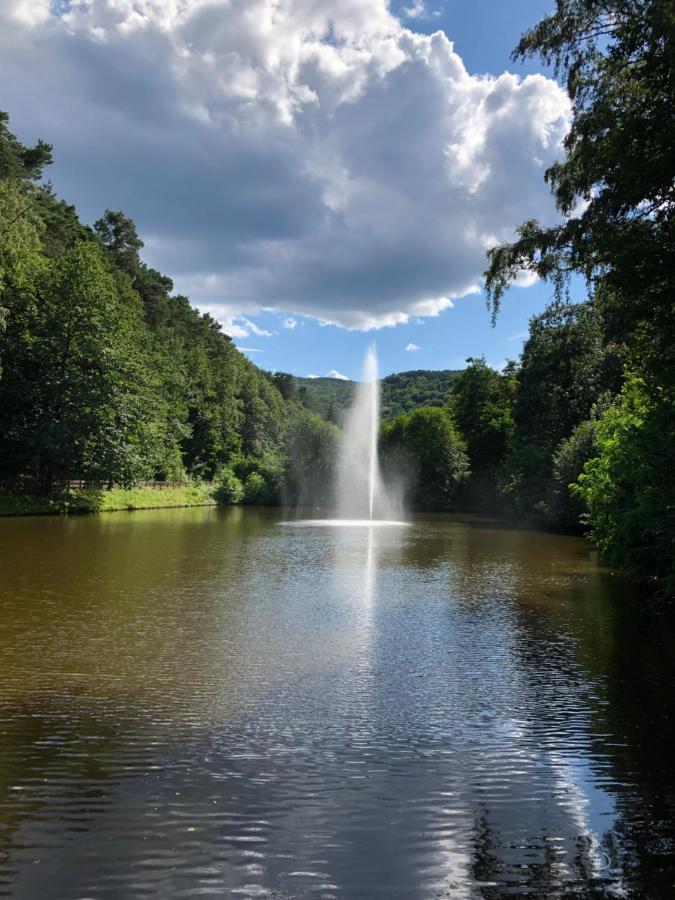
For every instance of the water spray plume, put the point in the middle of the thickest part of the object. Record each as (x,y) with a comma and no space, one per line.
(361,498)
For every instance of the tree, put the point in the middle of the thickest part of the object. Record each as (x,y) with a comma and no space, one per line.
(424,449)
(18,162)
(72,403)
(21,228)
(118,235)
(311,449)
(565,508)
(480,402)
(628,486)
(618,60)
(565,366)
(615,188)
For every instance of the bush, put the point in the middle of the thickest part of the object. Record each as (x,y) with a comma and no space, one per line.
(229,490)
(629,487)
(565,507)
(258,491)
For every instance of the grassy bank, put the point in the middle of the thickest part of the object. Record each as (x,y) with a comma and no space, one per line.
(90,501)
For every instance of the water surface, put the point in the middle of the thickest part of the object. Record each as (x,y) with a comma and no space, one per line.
(203,703)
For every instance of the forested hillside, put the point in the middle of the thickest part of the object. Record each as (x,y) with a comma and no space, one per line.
(105,373)
(401,393)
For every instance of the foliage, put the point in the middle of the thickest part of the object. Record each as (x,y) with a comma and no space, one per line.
(118,498)
(565,366)
(617,60)
(615,188)
(402,392)
(258,492)
(228,490)
(406,391)
(72,392)
(564,507)
(17,162)
(424,449)
(629,487)
(481,402)
(107,374)
(261,477)
(312,453)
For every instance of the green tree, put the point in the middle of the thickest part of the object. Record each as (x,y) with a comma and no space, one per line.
(72,403)
(118,235)
(481,401)
(18,162)
(615,187)
(424,449)
(629,489)
(311,449)
(21,228)
(617,60)
(565,366)
(565,508)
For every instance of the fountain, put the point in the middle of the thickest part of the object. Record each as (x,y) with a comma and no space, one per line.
(361,498)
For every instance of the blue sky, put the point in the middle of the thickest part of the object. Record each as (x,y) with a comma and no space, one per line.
(334,165)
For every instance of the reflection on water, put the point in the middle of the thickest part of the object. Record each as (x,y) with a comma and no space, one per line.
(203,703)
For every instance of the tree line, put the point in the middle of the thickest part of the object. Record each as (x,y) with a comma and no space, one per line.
(105,373)
(584,429)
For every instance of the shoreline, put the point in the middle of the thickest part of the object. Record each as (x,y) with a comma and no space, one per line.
(88,501)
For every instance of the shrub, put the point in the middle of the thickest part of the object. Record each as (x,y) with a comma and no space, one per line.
(258,491)
(229,489)
(629,487)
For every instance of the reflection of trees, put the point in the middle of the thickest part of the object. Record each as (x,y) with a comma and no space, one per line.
(54,776)
(611,663)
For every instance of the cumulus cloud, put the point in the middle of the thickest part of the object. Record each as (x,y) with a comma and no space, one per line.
(316,157)
(290,323)
(335,374)
(412,347)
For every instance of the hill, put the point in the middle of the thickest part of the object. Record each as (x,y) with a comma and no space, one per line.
(401,392)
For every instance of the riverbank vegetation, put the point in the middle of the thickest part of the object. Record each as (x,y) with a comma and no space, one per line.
(89,499)
(595,392)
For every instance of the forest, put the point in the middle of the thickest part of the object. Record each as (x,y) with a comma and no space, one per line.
(401,393)
(108,376)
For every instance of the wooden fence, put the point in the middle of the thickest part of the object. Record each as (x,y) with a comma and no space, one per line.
(79,485)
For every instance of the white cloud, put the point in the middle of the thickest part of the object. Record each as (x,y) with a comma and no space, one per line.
(253,328)
(412,347)
(417,10)
(249,350)
(518,336)
(335,374)
(526,278)
(312,376)
(315,156)
(290,323)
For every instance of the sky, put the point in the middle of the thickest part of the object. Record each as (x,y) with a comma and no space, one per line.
(318,175)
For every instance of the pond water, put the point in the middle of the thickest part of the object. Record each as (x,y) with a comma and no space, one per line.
(205,703)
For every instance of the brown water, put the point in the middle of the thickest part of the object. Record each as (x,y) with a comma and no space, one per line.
(204,703)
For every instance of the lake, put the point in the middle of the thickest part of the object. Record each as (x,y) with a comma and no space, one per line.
(209,703)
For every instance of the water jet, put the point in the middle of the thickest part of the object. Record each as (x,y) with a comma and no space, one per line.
(361,497)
